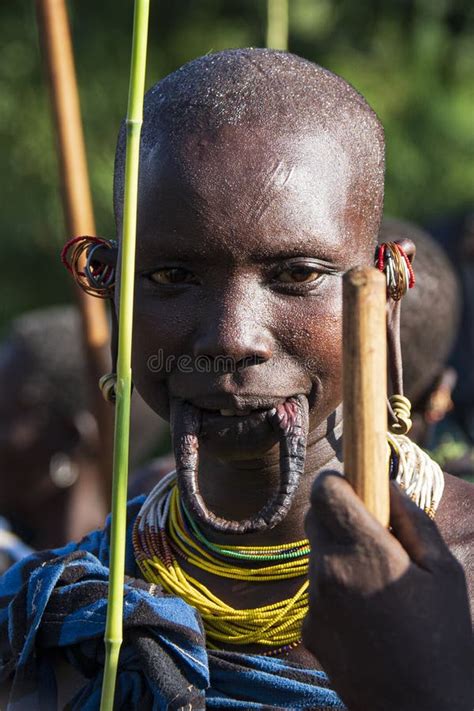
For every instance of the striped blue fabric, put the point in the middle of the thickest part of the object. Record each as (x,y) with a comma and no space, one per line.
(56,601)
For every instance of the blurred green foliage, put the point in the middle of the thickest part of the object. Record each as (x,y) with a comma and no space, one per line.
(412,59)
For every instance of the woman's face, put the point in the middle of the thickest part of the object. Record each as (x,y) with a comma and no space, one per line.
(242,241)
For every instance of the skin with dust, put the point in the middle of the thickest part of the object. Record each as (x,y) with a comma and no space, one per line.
(250,211)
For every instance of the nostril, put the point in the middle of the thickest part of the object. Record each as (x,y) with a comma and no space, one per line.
(247,361)
(232,356)
(230,364)
(233,347)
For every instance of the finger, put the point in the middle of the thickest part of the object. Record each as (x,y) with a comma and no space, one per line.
(416,532)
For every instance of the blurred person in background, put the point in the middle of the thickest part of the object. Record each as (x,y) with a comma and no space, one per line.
(455,234)
(50,488)
(430,329)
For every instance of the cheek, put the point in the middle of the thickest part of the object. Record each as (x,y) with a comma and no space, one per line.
(160,332)
(313,335)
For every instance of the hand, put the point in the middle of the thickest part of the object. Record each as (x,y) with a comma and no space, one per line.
(388,615)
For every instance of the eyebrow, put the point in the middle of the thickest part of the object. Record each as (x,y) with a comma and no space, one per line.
(188,256)
(286,256)
(326,257)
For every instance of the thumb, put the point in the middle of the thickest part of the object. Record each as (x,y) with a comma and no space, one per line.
(337,513)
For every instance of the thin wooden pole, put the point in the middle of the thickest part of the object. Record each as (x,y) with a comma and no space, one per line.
(77,203)
(277,24)
(365,388)
(113,632)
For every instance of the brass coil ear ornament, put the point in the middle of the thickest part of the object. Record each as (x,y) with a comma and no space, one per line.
(107,385)
(95,276)
(401,409)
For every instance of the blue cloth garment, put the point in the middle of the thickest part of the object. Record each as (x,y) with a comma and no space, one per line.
(57,600)
(244,681)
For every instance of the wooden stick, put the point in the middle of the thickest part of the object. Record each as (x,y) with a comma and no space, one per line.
(365,388)
(77,203)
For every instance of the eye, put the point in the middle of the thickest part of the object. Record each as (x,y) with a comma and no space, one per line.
(299,274)
(173,275)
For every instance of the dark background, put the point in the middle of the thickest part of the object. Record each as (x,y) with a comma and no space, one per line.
(412,59)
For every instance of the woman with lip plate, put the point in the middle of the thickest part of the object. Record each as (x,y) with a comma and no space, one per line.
(261,183)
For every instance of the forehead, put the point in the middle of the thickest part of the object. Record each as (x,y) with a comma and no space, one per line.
(243,191)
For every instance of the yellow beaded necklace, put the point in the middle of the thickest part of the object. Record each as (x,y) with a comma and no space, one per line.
(160,537)
(164,533)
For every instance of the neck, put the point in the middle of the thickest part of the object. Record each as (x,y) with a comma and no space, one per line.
(237,489)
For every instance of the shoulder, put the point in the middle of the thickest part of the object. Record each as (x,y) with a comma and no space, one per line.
(454,516)
(98,542)
(455,520)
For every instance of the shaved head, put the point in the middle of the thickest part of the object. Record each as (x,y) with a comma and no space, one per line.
(269,92)
(261,183)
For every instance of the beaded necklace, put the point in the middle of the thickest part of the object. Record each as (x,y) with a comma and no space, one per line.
(165,534)
(160,537)
(284,551)
(215,560)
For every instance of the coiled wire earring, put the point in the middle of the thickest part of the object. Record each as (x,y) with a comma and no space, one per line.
(108,387)
(93,275)
(93,269)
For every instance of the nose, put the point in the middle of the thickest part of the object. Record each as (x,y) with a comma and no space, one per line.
(233,331)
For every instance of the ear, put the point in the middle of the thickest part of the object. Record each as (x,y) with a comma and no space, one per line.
(101,267)
(92,261)
(106,257)
(408,247)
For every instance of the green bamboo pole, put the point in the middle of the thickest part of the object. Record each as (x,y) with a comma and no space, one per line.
(113,630)
(277,24)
